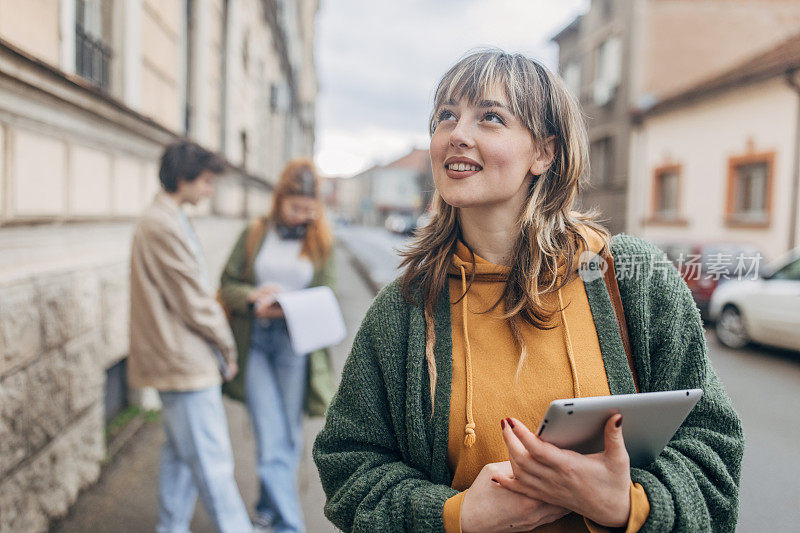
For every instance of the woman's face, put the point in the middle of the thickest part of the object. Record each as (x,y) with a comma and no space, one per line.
(297,210)
(481,154)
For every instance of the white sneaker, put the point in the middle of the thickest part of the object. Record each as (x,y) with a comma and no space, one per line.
(262,523)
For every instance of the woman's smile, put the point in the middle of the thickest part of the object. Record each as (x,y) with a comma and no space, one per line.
(461,167)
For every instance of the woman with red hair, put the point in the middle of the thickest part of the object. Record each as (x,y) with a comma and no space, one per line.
(287,250)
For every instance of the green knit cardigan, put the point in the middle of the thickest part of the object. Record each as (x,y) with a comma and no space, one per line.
(382,458)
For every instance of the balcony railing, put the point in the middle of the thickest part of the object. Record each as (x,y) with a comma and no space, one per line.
(92,58)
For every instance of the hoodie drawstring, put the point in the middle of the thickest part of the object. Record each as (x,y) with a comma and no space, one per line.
(469,429)
(576,386)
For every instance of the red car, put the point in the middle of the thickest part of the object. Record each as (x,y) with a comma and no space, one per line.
(704,266)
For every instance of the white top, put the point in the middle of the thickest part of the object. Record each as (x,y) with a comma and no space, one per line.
(279,262)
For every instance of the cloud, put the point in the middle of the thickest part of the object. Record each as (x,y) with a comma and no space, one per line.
(350,151)
(378,64)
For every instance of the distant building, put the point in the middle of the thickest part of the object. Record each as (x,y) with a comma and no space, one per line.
(348,198)
(404,187)
(90,93)
(720,161)
(625,54)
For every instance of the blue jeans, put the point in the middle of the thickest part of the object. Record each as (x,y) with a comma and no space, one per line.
(275,384)
(197,457)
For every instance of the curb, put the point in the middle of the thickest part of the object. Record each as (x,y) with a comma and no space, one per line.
(361,268)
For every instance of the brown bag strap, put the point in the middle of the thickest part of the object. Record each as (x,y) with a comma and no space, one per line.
(255,236)
(616,301)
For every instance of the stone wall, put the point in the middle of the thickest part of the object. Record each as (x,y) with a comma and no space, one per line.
(55,342)
(62,324)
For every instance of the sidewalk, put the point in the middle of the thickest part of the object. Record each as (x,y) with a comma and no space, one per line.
(125,499)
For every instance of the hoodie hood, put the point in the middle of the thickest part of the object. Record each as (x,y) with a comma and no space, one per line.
(486,271)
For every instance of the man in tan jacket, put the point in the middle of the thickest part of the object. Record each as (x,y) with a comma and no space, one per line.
(181,344)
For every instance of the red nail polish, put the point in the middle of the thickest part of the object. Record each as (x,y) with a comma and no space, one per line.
(502,424)
(619,421)
(510,423)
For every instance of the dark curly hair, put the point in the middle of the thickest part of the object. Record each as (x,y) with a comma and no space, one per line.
(185,160)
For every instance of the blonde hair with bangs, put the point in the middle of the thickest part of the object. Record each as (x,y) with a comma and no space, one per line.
(549,234)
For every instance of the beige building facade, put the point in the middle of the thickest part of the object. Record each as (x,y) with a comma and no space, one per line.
(90,93)
(719,162)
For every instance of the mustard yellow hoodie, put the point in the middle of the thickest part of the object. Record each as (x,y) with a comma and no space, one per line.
(563,362)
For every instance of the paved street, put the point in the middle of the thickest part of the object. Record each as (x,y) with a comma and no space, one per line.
(764,386)
(376,250)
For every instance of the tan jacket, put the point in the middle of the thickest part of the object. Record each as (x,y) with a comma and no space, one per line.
(175,321)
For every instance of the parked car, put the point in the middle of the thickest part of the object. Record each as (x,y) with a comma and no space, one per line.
(424,219)
(400,223)
(765,310)
(705,266)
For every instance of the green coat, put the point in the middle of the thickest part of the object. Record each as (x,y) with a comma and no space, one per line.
(236,283)
(382,458)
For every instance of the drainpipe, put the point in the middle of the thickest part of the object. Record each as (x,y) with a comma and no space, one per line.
(223,93)
(793,79)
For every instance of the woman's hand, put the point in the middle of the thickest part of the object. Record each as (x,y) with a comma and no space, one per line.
(265,291)
(268,308)
(489,507)
(263,300)
(596,486)
(230,371)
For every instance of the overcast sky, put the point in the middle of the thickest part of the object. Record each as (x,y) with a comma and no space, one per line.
(378,64)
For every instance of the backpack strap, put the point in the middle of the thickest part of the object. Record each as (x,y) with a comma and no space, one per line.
(255,236)
(610,277)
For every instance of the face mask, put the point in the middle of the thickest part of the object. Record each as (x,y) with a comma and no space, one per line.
(291,232)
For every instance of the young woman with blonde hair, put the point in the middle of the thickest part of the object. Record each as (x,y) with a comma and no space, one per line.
(490,321)
(287,250)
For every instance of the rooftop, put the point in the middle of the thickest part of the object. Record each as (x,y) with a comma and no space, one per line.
(782,59)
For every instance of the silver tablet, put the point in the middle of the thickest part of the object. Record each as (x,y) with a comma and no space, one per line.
(649,420)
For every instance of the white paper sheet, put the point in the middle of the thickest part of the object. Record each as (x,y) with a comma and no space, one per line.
(313,318)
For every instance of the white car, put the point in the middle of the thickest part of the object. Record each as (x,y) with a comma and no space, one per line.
(399,223)
(764,310)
